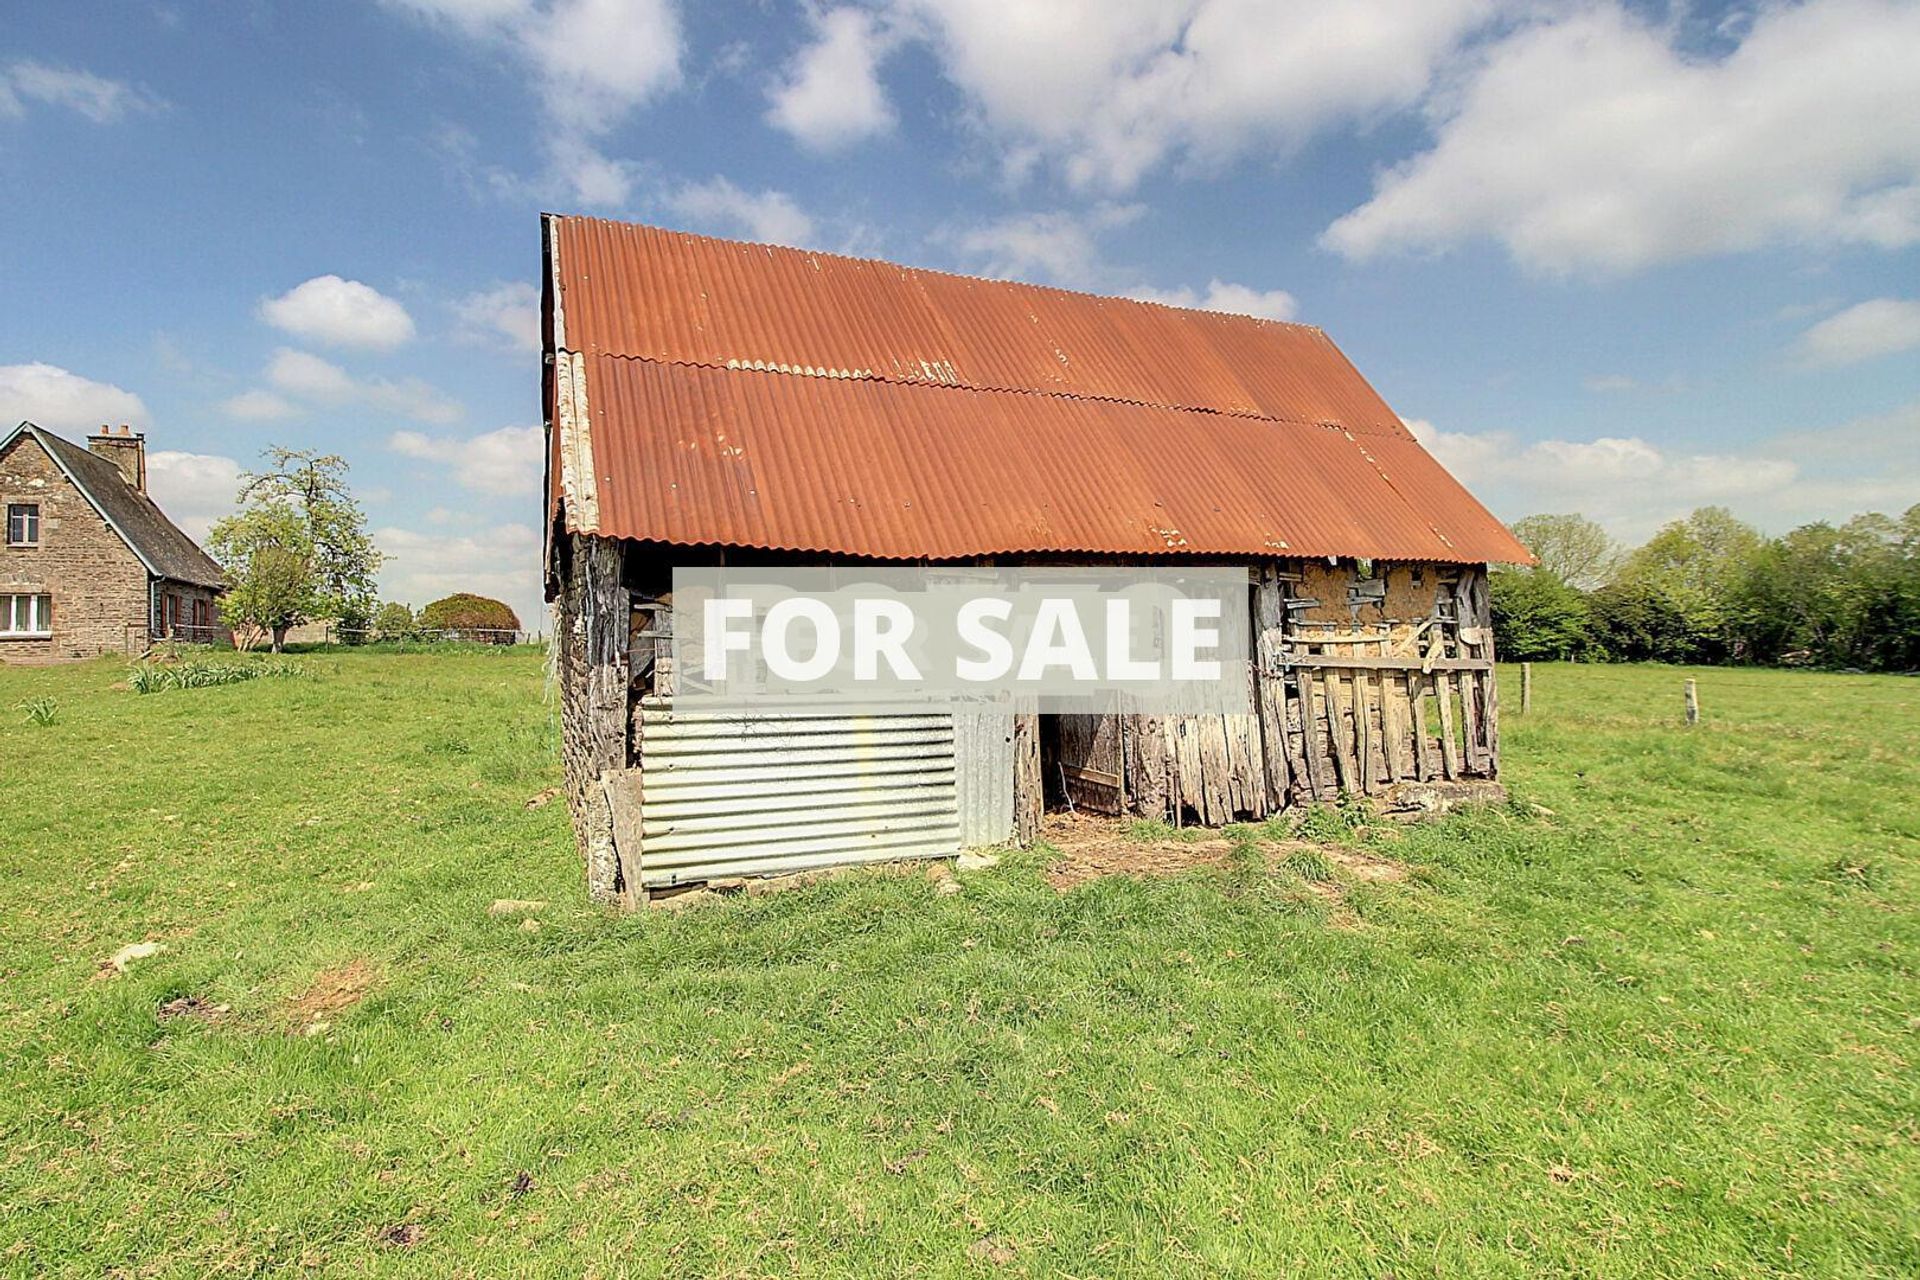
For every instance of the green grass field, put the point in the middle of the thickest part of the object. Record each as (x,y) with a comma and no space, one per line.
(1667,1028)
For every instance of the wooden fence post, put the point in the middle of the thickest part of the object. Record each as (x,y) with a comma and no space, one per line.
(1526,687)
(1693,702)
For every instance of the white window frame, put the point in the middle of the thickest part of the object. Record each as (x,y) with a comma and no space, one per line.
(32,510)
(37,609)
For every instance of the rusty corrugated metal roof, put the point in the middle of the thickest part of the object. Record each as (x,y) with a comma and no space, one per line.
(746,395)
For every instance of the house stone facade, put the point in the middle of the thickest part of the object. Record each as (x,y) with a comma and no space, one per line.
(89,565)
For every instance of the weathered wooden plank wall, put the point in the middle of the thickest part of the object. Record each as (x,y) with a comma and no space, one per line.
(1360,683)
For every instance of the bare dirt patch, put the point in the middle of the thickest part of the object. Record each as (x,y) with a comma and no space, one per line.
(1362,865)
(190,1007)
(332,991)
(1091,847)
(401,1235)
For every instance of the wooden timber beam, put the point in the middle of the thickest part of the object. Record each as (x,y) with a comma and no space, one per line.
(1371,662)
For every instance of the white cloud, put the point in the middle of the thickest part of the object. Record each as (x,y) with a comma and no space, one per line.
(1108,90)
(769,216)
(1593,144)
(593,61)
(588,175)
(51,397)
(599,59)
(1058,246)
(502,562)
(258,406)
(506,315)
(308,377)
(831,95)
(100,100)
(1223,295)
(341,313)
(506,462)
(1633,485)
(1862,332)
(194,489)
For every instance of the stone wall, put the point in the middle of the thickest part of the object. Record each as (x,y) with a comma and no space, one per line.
(99,587)
(591,635)
(188,624)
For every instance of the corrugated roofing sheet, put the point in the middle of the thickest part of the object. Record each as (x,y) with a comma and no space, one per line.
(745,395)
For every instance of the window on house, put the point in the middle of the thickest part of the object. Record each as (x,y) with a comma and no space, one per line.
(23,524)
(26,615)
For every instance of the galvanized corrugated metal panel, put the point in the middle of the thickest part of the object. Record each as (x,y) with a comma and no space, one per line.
(682,299)
(692,455)
(768,793)
(983,760)
(744,395)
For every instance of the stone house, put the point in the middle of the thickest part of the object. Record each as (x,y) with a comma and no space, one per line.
(90,566)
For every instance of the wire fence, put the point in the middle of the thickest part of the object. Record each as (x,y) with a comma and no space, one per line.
(433,635)
(141,639)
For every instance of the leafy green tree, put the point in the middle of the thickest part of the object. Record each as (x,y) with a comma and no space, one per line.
(1711,588)
(1536,614)
(268,561)
(344,558)
(298,549)
(1697,570)
(1839,597)
(472,617)
(1572,548)
(1633,622)
(394,621)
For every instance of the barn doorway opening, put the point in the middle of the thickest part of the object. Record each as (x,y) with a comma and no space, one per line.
(1083,763)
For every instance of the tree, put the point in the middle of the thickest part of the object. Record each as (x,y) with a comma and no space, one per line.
(471,617)
(1697,569)
(1572,548)
(1633,622)
(1839,597)
(344,557)
(268,563)
(1536,615)
(394,621)
(298,549)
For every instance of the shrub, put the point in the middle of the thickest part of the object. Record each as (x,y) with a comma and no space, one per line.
(471,617)
(1536,615)
(394,621)
(355,623)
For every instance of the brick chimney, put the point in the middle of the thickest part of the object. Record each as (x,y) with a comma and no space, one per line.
(125,449)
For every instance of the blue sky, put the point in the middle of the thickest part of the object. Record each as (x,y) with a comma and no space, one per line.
(1621,259)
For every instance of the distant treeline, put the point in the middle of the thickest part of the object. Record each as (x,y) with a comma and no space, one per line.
(1712,589)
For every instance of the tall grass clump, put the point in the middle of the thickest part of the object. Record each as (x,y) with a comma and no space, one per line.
(153,677)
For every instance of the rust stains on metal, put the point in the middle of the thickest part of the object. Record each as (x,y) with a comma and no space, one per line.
(746,395)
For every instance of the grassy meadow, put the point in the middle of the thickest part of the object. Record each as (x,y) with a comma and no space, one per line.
(1657,1017)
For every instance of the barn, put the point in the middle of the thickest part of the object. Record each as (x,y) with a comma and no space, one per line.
(718,403)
